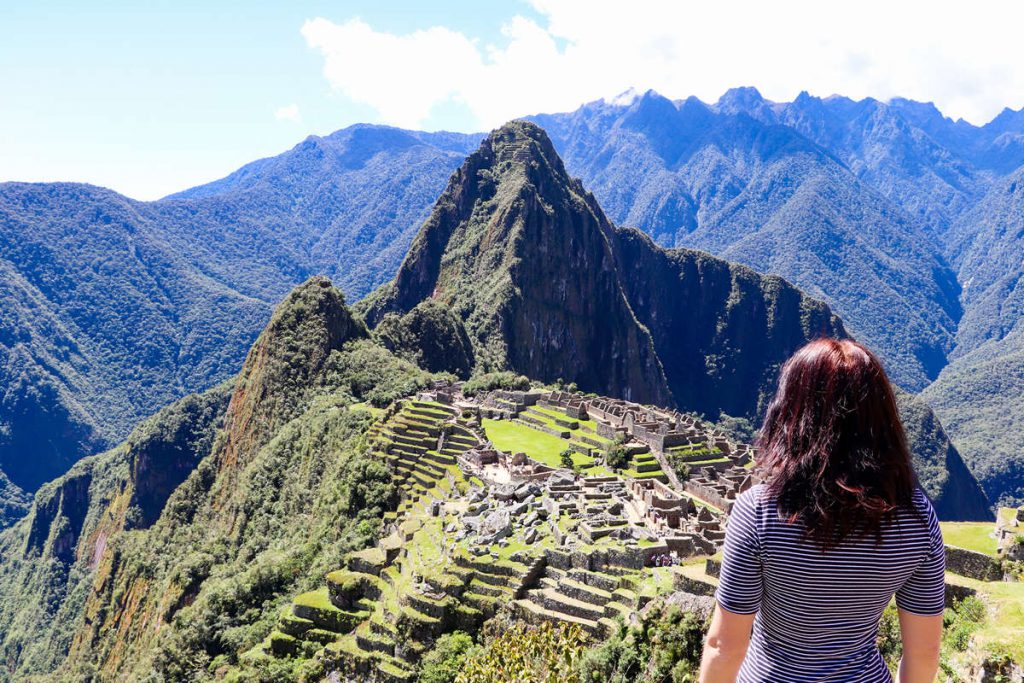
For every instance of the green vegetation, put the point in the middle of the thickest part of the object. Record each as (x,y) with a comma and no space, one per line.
(541,654)
(429,336)
(513,437)
(447,658)
(666,646)
(975,536)
(489,381)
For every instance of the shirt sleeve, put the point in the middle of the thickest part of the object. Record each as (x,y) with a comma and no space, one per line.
(924,593)
(740,583)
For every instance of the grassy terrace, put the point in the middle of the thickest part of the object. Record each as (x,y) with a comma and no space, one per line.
(587,428)
(970,536)
(514,437)
(1005,599)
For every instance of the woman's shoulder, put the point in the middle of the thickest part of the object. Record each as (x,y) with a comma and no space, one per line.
(753,496)
(752,501)
(922,508)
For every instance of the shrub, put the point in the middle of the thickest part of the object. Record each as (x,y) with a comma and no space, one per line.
(443,663)
(566,459)
(507,381)
(541,654)
(617,457)
(666,646)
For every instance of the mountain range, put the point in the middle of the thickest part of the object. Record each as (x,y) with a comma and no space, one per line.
(885,211)
(173,554)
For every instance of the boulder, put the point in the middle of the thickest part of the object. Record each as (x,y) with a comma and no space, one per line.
(525,491)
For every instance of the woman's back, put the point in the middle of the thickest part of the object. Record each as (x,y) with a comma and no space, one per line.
(818,610)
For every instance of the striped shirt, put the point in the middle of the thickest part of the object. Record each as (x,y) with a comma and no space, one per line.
(818,613)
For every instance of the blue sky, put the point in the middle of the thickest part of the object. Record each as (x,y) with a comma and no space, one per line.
(150,97)
(153,96)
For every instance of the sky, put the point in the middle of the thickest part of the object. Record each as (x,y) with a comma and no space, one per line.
(150,97)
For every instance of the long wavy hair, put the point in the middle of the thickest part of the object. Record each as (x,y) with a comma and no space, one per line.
(832,445)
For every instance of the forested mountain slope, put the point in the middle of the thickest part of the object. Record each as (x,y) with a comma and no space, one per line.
(765,195)
(113,307)
(980,396)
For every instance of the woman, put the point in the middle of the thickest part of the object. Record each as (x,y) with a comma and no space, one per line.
(813,556)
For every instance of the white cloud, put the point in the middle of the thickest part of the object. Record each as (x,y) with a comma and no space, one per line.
(969,61)
(288,112)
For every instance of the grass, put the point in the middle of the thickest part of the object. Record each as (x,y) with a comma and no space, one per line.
(513,437)
(373,410)
(317,599)
(587,428)
(970,536)
(1005,623)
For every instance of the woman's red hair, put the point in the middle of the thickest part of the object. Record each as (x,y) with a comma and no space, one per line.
(832,445)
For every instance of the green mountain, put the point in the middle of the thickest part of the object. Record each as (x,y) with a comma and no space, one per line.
(179,545)
(979,395)
(548,287)
(114,308)
(172,555)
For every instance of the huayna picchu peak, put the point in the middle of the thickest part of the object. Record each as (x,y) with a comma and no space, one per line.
(537,428)
(548,287)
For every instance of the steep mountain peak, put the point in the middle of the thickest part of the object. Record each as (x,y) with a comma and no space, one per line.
(519,144)
(514,168)
(525,257)
(285,363)
(745,99)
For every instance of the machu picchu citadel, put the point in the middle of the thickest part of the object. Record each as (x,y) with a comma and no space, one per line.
(483,527)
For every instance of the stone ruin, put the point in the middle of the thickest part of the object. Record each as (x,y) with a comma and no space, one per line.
(720,488)
(1008,531)
(546,542)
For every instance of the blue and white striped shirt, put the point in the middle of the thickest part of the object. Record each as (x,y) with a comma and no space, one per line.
(818,612)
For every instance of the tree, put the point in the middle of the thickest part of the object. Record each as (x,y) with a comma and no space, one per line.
(566,458)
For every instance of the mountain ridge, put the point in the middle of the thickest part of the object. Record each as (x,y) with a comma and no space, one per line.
(375,197)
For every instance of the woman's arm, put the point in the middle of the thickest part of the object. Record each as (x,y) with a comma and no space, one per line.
(726,646)
(920,602)
(922,637)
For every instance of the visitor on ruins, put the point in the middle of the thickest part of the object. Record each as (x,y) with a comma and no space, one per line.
(813,556)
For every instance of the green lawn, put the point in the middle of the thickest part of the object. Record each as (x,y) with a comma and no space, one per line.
(513,437)
(970,536)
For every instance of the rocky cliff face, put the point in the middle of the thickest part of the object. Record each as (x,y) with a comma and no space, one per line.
(526,257)
(720,330)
